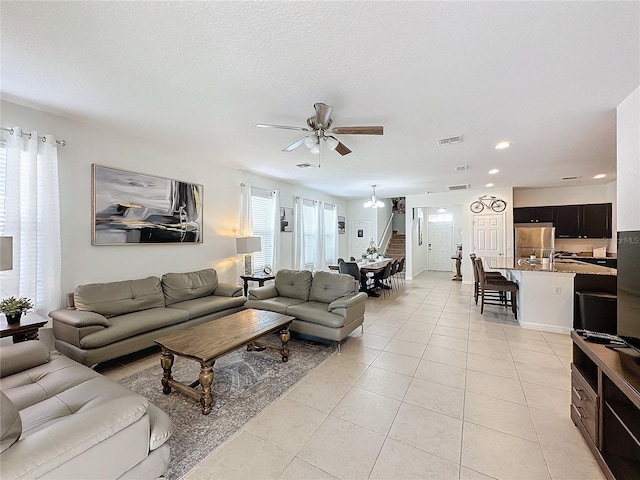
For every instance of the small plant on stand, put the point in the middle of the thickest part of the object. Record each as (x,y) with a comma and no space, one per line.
(13,308)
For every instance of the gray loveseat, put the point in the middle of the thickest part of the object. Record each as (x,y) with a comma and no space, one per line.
(62,420)
(325,305)
(108,320)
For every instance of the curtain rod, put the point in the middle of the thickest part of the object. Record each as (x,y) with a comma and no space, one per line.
(62,143)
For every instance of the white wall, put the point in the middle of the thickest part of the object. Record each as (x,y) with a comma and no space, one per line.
(628,133)
(463,199)
(377,216)
(89,143)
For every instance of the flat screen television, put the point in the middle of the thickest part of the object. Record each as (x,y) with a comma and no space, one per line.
(629,287)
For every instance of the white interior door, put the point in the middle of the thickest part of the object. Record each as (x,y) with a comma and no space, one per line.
(360,237)
(488,235)
(440,246)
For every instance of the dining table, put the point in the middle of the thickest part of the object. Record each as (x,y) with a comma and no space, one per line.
(372,267)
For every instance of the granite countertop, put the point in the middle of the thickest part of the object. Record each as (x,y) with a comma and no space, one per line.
(560,265)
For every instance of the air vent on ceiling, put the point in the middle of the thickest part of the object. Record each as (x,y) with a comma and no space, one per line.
(462,186)
(569,178)
(450,140)
(304,165)
(461,168)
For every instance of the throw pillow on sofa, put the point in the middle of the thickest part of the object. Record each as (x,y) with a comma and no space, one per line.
(10,423)
(180,287)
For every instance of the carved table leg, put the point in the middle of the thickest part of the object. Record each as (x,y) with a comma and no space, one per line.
(166,361)
(284,338)
(255,347)
(206,379)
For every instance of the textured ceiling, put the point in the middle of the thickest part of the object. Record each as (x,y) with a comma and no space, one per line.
(546,76)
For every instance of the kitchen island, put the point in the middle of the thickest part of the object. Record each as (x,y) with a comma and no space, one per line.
(546,294)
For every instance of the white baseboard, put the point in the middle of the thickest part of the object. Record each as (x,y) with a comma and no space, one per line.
(545,328)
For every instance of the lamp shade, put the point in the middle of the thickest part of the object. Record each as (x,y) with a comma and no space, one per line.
(6,253)
(248,245)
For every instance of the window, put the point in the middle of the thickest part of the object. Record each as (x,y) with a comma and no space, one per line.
(319,234)
(263,226)
(440,217)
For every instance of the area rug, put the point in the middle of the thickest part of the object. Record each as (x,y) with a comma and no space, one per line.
(244,384)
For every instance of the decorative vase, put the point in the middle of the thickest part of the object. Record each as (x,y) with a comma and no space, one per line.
(13,319)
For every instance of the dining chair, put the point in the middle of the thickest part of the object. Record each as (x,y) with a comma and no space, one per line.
(393,273)
(382,279)
(476,278)
(493,284)
(352,268)
(400,271)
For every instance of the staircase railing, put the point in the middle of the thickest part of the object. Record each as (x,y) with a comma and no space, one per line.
(386,235)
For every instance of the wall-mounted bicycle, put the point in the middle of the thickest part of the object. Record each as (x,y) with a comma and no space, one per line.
(487,201)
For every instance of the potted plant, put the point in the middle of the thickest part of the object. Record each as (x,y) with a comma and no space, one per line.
(13,308)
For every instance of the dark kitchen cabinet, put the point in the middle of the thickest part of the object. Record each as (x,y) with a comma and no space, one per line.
(568,221)
(596,220)
(583,221)
(533,214)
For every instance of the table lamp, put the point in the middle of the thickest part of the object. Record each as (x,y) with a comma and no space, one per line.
(246,246)
(6,253)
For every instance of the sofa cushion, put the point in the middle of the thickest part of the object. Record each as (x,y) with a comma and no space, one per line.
(276,304)
(10,423)
(316,312)
(116,298)
(327,287)
(131,324)
(179,287)
(294,283)
(206,305)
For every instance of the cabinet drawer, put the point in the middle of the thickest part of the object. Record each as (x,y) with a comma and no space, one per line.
(584,404)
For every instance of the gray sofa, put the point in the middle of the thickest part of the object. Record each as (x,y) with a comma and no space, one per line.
(326,305)
(62,420)
(108,320)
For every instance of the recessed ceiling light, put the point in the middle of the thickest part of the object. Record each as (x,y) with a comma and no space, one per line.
(598,176)
(489,185)
(493,171)
(503,145)
(573,177)
(442,210)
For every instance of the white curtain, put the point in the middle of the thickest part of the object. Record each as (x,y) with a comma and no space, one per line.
(298,245)
(276,230)
(319,263)
(245,220)
(30,201)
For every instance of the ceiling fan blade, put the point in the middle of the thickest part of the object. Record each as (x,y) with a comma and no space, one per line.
(372,130)
(342,149)
(294,145)
(323,114)
(285,127)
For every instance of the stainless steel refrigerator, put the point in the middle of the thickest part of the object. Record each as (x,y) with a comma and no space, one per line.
(534,239)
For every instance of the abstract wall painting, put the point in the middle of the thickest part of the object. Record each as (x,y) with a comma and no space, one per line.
(341,225)
(136,208)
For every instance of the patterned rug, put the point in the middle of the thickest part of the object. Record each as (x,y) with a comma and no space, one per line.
(244,384)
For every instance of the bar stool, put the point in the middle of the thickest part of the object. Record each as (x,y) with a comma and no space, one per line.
(493,284)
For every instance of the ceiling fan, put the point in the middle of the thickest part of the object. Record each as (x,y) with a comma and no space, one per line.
(319,128)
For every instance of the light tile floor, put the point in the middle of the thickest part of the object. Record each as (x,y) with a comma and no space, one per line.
(432,389)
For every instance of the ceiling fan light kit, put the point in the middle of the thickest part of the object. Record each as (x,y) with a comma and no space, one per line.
(319,126)
(374,202)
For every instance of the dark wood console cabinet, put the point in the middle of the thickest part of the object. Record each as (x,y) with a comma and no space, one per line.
(605,405)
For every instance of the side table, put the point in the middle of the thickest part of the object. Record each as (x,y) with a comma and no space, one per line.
(27,329)
(255,278)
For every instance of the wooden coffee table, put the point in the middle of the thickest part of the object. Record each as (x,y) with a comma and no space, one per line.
(207,342)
